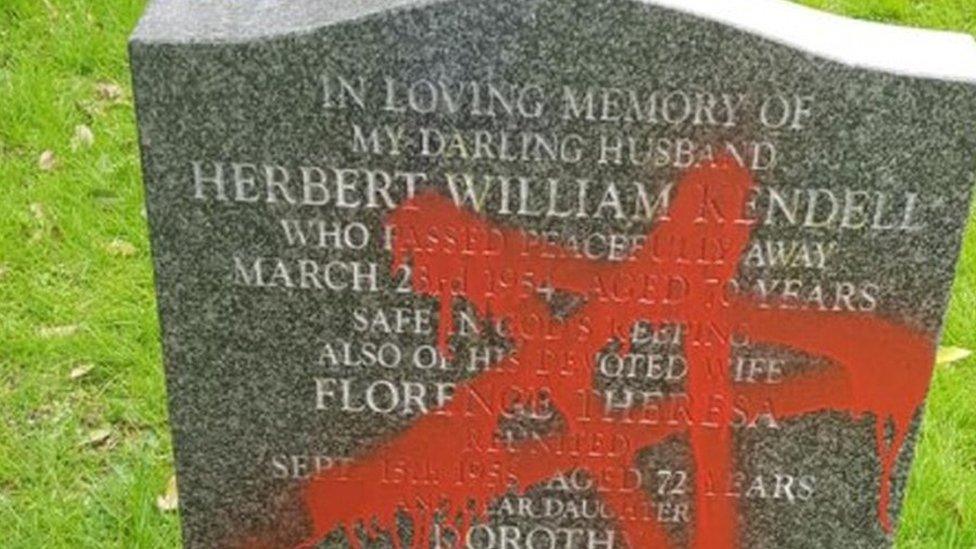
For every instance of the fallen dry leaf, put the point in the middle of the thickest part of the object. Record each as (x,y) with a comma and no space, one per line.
(37,211)
(169,500)
(84,137)
(49,332)
(81,371)
(51,10)
(97,437)
(108,91)
(47,161)
(121,248)
(948,355)
(94,108)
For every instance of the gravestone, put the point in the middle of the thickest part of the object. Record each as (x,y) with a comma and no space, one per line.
(548,273)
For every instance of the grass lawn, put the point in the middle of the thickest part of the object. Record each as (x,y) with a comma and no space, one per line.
(84,445)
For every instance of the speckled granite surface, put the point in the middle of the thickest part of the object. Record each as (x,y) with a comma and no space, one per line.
(247,352)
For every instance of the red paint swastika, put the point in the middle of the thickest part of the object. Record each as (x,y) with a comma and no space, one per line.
(879,367)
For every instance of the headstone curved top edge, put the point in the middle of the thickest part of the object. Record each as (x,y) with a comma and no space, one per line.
(228,21)
(899,50)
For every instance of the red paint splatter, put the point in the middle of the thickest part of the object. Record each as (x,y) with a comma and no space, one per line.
(882,368)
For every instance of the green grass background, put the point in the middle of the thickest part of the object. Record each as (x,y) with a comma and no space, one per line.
(74,293)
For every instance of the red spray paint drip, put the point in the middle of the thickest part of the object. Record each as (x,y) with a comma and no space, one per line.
(885,372)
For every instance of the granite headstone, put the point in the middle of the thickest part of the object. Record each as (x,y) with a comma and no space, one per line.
(548,273)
